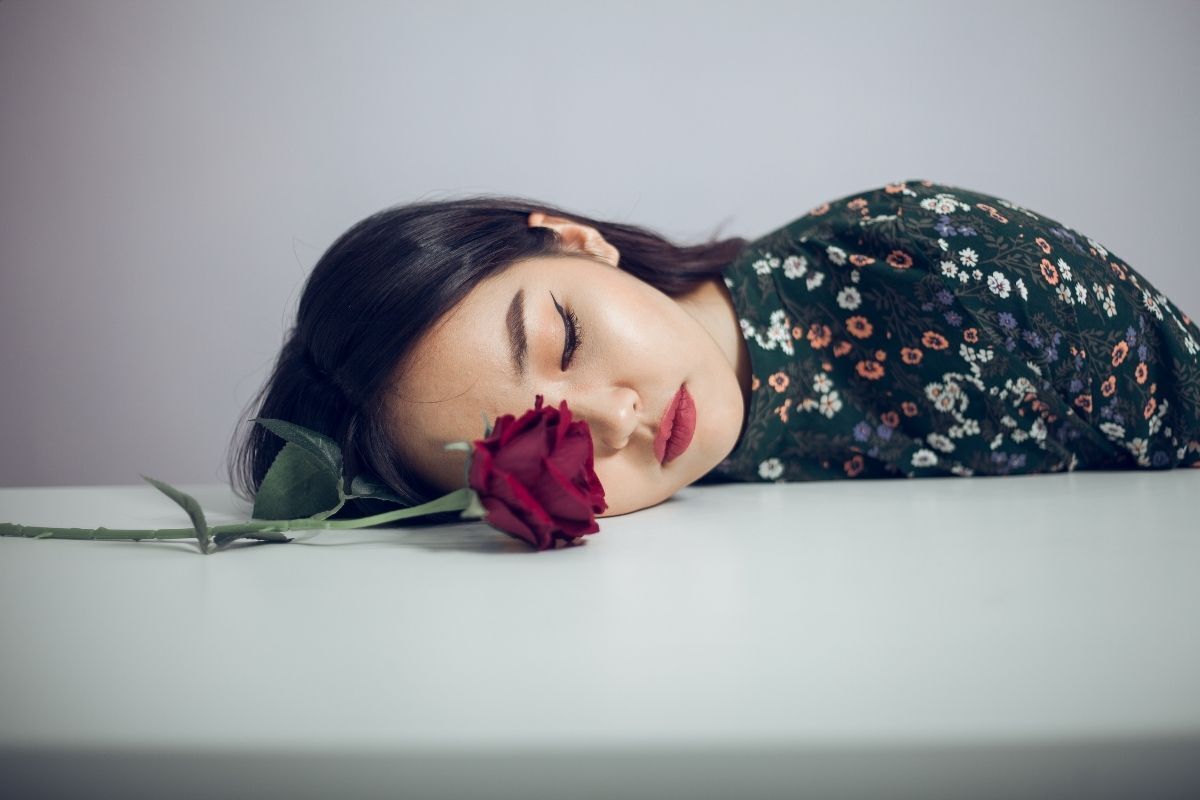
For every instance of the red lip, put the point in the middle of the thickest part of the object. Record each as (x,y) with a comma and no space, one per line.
(676,427)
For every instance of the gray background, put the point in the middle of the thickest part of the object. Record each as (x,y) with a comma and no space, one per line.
(169,173)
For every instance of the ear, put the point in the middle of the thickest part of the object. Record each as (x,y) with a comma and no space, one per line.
(577,236)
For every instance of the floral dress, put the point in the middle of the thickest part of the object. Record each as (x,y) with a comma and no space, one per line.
(921,329)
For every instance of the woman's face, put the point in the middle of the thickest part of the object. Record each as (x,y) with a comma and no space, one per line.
(635,348)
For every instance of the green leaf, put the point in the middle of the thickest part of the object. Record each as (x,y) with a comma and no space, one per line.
(320,446)
(298,485)
(363,486)
(191,506)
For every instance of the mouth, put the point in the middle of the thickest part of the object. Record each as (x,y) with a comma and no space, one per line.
(676,427)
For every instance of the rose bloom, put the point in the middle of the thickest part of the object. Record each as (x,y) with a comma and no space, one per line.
(578,328)
(535,476)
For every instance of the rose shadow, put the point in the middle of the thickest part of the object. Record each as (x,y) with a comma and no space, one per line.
(466,537)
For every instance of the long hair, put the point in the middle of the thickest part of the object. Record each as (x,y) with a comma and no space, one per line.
(386,281)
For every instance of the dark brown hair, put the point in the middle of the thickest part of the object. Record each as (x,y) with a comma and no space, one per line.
(386,281)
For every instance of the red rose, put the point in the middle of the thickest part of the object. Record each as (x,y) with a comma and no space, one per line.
(535,476)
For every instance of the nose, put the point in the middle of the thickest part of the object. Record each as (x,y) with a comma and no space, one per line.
(612,413)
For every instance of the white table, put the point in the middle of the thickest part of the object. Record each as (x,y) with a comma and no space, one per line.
(1025,636)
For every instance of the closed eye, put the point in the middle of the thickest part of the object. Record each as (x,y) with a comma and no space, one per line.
(572,333)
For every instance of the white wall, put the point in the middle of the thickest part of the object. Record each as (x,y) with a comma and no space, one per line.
(170,172)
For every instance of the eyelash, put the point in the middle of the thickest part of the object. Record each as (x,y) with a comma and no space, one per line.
(574,338)
(574,333)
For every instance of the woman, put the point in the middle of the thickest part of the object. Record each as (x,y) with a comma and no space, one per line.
(911,330)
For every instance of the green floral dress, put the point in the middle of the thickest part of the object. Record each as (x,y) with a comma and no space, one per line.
(921,329)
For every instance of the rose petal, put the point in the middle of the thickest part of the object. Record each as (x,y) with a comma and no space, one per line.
(570,507)
(523,504)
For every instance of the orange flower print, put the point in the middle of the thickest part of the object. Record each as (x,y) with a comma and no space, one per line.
(993,213)
(871,370)
(1109,386)
(1118,269)
(1119,352)
(859,326)
(1049,272)
(971,335)
(934,340)
(857,203)
(892,188)
(1084,401)
(1042,243)
(782,411)
(860,260)
(1151,404)
(841,348)
(797,333)
(778,381)
(880,355)
(909,408)
(819,335)
(819,210)
(890,418)
(754,383)
(911,355)
(1141,372)
(899,259)
(825,365)
(854,465)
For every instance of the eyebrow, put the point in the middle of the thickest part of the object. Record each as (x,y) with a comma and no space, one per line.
(518,345)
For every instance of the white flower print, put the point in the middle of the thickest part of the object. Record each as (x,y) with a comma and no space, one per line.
(1113,431)
(1038,429)
(729,282)
(944,203)
(830,404)
(1099,249)
(1150,304)
(942,243)
(1064,294)
(964,276)
(849,298)
(821,383)
(855,275)
(924,458)
(1018,436)
(770,469)
(1064,269)
(977,274)
(1138,446)
(949,269)
(1080,293)
(968,257)
(1021,288)
(814,280)
(765,264)
(1190,344)
(970,427)
(940,442)
(942,395)
(780,332)
(999,284)
(1155,424)
(795,266)
(1110,307)
(836,254)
